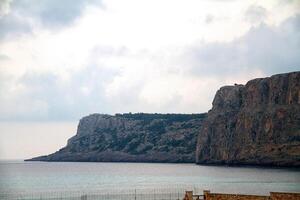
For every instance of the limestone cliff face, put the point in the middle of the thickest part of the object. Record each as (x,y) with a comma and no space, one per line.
(255,124)
(132,138)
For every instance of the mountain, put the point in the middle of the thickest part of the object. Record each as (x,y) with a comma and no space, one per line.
(132,138)
(253,124)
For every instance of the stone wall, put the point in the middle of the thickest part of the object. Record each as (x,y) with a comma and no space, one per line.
(282,196)
(219,196)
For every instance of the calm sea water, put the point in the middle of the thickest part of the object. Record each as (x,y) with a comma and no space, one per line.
(20,177)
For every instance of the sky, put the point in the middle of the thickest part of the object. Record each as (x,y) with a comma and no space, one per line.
(62,60)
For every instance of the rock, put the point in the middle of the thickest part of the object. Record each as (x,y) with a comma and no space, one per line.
(132,138)
(255,124)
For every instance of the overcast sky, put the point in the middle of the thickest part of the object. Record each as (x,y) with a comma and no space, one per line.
(61,60)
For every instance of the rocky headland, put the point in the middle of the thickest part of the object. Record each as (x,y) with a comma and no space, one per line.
(132,138)
(253,124)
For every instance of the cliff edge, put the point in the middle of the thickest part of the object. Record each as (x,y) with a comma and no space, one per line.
(253,124)
(132,138)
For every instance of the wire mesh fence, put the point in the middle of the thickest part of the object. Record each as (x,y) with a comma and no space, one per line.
(135,194)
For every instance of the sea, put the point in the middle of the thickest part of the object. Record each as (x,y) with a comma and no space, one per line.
(29,180)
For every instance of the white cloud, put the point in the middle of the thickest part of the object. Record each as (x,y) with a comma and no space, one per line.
(269,49)
(4,7)
(137,56)
(256,14)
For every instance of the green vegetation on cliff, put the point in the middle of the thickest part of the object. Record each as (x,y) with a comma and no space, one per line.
(139,137)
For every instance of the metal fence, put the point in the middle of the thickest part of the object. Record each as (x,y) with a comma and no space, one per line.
(135,194)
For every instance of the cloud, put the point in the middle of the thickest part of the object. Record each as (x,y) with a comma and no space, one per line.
(4,7)
(13,25)
(22,16)
(111,61)
(103,87)
(52,12)
(255,14)
(4,57)
(269,49)
(57,99)
(209,19)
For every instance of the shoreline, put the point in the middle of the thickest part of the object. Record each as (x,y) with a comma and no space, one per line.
(191,163)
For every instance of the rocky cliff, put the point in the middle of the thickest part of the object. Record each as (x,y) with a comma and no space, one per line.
(133,138)
(254,124)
